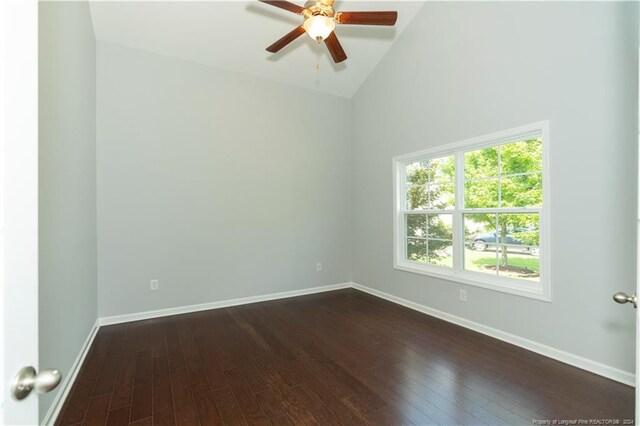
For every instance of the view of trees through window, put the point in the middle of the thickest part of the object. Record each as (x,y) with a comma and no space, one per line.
(501,203)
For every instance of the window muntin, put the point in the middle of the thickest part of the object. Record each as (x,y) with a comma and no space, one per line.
(490,188)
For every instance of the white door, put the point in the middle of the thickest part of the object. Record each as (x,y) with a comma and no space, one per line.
(18,203)
(637,417)
(638,264)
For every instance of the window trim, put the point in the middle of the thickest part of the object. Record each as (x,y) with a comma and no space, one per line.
(541,290)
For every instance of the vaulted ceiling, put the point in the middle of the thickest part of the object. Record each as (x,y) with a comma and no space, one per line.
(233,35)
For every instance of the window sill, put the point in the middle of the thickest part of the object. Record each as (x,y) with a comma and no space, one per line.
(533,291)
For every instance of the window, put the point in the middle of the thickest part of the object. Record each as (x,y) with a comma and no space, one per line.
(477,212)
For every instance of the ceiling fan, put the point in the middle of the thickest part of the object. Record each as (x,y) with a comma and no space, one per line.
(320,21)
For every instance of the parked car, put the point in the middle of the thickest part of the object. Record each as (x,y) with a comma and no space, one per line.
(484,241)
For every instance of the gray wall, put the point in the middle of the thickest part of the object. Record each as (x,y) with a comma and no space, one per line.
(462,70)
(218,184)
(67,181)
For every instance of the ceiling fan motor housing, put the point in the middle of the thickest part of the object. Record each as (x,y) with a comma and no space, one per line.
(315,8)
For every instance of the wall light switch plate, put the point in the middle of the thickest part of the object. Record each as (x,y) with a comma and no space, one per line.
(154,284)
(463,295)
(318,267)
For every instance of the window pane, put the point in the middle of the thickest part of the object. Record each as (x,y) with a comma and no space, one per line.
(508,175)
(481,261)
(416,225)
(515,263)
(430,184)
(481,163)
(440,252)
(481,193)
(521,157)
(479,228)
(441,196)
(442,169)
(436,170)
(519,239)
(417,173)
(417,250)
(440,226)
(521,190)
(518,228)
(416,197)
(480,241)
(506,244)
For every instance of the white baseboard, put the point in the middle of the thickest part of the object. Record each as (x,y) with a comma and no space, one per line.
(568,358)
(70,378)
(117,319)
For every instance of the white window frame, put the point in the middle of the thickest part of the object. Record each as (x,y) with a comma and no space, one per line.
(536,290)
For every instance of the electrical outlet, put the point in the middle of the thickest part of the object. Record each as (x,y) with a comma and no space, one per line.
(463,295)
(318,267)
(154,285)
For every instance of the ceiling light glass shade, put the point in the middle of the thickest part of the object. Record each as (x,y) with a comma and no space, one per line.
(319,27)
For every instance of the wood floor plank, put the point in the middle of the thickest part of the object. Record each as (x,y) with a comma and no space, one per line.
(285,397)
(174,351)
(144,422)
(107,376)
(211,363)
(103,339)
(158,340)
(271,406)
(144,340)
(333,404)
(97,411)
(123,387)
(184,405)
(336,358)
(206,408)
(141,406)
(246,400)
(250,375)
(163,411)
(228,407)
(118,417)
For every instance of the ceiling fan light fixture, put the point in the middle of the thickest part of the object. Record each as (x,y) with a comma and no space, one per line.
(319,27)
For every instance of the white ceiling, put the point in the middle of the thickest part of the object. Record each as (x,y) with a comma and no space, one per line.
(233,35)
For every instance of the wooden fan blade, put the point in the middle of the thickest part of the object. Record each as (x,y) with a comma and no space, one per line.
(288,38)
(286,5)
(335,48)
(367,18)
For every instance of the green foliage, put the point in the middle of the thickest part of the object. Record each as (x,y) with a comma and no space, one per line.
(529,238)
(531,263)
(481,163)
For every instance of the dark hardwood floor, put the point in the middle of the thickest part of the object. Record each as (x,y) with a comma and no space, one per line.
(344,358)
